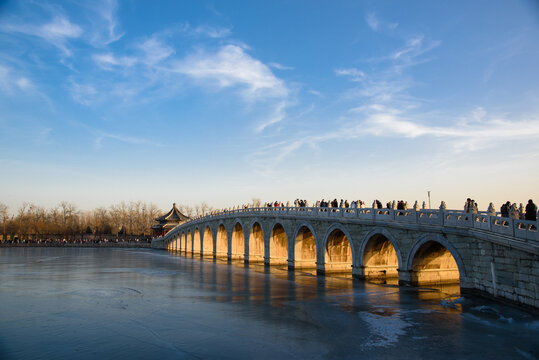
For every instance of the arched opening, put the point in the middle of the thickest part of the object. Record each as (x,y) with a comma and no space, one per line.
(221,243)
(182,242)
(305,249)
(256,244)
(380,259)
(196,242)
(207,242)
(189,243)
(338,254)
(176,242)
(278,246)
(237,249)
(434,264)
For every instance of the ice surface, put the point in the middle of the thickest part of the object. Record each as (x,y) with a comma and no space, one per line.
(62,303)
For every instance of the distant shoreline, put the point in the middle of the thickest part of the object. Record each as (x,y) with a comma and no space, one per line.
(88,245)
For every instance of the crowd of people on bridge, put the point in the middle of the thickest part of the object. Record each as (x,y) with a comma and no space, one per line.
(507,210)
(529,213)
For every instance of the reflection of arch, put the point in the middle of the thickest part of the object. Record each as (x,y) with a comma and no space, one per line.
(207,241)
(237,243)
(304,249)
(341,257)
(435,258)
(256,243)
(221,241)
(196,241)
(278,244)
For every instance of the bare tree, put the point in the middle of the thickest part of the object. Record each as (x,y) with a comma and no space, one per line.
(3,215)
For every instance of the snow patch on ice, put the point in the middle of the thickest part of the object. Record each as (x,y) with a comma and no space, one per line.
(385,329)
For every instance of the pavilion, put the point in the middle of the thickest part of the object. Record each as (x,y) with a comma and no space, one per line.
(168,221)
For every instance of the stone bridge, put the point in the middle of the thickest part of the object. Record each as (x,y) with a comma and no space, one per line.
(483,252)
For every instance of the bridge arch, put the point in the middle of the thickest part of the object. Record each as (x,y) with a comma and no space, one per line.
(278,244)
(337,253)
(182,242)
(207,241)
(379,255)
(189,242)
(237,241)
(221,241)
(433,260)
(303,246)
(255,243)
(196,241)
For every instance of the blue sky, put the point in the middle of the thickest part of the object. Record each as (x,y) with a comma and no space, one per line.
(222,102)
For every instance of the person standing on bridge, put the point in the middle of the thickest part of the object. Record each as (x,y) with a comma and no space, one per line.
(531,211)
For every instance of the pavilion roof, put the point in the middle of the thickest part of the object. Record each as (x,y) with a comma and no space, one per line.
(174,215)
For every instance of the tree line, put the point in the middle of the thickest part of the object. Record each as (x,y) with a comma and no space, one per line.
(134,218)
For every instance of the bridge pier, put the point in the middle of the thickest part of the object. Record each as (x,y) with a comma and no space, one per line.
(291,264)
(358,272)
(405,277)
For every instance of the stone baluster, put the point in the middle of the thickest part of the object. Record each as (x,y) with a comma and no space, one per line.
(491,213)
(443,208)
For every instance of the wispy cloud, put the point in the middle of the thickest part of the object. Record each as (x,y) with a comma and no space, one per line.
(279,66)
(383,107)
(277,115)
(212,31)
(155,51)
(231,66)
(85,94)
(108,61)
(10,83)
(105,24)
(56,32)
(378,25)
(102,136)
(353,73)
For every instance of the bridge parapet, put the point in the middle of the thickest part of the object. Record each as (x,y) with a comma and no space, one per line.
(516,228)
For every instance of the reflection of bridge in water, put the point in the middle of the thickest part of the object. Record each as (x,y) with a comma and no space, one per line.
(480,251)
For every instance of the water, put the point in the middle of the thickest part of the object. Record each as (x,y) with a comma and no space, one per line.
(67,303)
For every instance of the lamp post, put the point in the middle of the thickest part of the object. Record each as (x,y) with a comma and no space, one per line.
(428,193)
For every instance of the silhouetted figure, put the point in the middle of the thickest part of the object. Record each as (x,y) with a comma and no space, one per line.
(531,211)
(468,205)
(505,209)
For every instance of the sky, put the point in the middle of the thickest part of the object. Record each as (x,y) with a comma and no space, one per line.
(225,101)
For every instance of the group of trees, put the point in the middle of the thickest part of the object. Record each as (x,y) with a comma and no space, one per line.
(125,218)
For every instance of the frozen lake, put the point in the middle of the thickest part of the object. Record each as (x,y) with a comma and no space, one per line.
(77,303)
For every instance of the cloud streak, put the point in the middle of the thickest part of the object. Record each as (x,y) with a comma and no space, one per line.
(57,32)
(231,66)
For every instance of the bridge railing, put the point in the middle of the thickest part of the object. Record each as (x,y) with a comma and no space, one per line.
(520,229)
